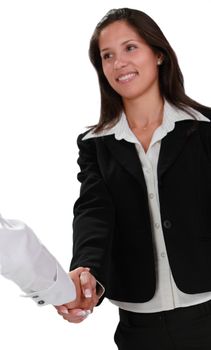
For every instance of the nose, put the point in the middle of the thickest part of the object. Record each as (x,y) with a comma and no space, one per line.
(119,63)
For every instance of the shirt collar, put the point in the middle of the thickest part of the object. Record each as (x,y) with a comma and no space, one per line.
(172,114)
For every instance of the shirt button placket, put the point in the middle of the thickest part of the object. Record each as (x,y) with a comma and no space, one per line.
(151,195)
(157,225)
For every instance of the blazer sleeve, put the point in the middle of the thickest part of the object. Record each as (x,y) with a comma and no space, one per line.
(94,215)
(205,136)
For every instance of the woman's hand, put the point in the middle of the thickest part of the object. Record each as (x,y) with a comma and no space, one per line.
(77,310)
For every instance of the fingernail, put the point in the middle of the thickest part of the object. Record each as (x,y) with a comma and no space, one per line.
(65,311)
(84,313)
(84,278)
(88,293)
(81,313)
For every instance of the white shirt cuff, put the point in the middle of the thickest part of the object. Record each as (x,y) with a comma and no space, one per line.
(60,292)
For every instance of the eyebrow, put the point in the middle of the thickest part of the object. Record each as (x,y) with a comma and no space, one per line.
(124,42)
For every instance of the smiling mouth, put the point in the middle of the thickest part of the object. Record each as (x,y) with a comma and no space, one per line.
(124,78)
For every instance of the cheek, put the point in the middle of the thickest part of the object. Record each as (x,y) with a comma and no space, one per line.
(146,60)
(149,68)
(108,72)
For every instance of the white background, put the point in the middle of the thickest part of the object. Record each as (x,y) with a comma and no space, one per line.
(48,95)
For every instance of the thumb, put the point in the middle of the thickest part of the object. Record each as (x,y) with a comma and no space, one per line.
(86,284)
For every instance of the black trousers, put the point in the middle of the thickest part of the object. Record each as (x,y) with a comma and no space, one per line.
(187,328)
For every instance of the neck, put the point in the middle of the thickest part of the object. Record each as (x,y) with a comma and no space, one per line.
(144,111)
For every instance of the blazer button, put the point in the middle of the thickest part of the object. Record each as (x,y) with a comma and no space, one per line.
(167,224)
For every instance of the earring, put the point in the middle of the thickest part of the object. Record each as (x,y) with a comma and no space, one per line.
(159,62)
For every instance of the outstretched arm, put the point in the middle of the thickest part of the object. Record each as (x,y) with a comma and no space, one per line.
(25,261)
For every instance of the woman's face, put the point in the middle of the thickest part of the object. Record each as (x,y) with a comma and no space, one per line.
(129,64)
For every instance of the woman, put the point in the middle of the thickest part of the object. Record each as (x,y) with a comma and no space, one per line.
(142,221)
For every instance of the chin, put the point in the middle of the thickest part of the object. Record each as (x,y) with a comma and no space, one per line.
(131,96)
(130,93)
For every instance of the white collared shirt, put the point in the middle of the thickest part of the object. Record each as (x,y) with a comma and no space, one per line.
(25,261)
(167,295)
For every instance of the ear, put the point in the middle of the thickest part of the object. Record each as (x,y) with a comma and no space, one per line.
(160,58)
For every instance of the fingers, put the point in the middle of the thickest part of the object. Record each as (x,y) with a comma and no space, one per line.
(75,315)
(62,309)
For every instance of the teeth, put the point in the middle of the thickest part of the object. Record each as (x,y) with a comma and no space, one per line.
(126,77)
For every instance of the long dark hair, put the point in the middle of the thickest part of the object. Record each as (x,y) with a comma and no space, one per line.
(171,81)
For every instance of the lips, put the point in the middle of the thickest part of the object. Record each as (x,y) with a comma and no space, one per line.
(123,78)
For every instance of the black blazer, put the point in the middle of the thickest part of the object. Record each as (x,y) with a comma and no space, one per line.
(111,229)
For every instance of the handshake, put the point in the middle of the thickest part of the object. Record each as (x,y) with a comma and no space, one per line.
(86,296)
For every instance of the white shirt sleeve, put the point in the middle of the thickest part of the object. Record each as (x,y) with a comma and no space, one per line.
(28,263)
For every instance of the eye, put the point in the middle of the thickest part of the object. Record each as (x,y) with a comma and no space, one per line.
(107,55)
(131,47)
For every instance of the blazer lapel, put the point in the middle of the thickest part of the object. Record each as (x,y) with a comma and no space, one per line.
(126,154)
(173,144)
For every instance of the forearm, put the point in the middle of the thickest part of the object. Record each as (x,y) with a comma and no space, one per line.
(94,215)
(29,264)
